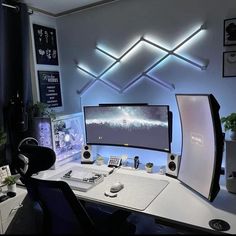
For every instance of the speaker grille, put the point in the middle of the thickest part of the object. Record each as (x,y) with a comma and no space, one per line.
(172,166)
(87,155)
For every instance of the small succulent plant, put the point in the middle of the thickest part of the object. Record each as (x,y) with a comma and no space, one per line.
(149,165)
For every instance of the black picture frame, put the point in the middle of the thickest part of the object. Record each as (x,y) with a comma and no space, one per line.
(50,88)
(229,64)
(45,42)
(230,32)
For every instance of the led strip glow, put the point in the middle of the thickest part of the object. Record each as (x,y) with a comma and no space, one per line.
(116,60)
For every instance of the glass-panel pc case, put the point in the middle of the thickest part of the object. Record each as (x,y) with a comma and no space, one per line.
(64,135)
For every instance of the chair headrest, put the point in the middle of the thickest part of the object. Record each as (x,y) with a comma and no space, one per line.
(32,159)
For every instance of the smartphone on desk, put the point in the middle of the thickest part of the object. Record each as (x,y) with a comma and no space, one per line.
(114,161)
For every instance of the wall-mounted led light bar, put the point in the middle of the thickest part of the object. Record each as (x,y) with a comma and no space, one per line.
(145,74)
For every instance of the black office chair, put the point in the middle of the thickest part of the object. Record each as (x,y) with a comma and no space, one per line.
(62,212)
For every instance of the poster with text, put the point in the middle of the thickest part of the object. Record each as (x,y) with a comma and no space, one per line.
(49,88)
(45,45)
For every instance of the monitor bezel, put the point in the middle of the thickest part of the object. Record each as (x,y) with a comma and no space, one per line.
(132,146)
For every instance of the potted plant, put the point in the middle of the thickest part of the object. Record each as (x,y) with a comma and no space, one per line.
(149,167)
(100,160)
(40,109)
(10,181)
(229,123)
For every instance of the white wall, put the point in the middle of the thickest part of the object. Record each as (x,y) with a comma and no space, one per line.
(166,22)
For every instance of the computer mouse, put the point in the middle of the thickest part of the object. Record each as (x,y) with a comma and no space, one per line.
(109,194)
(116,187)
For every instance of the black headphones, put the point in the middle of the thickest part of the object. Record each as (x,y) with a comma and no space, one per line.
(33,158)
(23,158)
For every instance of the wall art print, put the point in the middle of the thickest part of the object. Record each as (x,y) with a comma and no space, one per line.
(45,45)
(49,88)
(230,32)
(229,64)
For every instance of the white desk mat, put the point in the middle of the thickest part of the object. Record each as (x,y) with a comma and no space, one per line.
(137,194)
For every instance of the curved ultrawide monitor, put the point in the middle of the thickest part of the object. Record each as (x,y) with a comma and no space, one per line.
(202,143)
(141,126)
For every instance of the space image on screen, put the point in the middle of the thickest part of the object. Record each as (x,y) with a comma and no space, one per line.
(142,126)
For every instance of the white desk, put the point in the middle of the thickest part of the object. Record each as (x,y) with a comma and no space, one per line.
(175,204)
(9,207)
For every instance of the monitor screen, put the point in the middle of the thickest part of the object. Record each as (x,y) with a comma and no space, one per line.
(202,143)
(142,126)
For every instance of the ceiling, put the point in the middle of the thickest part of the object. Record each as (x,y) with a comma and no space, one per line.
(62,7)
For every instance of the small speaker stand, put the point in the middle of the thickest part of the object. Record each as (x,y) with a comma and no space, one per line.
(172,176)
(87,162)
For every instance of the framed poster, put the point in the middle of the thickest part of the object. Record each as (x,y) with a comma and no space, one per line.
(45,45)
(230,32)
(49,88)
(229,64)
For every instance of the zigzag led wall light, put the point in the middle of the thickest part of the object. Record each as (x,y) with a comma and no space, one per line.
(116,60)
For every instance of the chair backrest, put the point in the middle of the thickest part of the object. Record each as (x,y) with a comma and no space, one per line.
(63,212)
(32,159)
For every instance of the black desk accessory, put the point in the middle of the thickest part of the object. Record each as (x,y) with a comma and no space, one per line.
(219,225)
(3,198)
(136,162)
(11,194)
(87,162)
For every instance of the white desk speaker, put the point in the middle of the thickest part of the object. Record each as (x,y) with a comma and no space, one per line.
(172,167)
(87,155)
